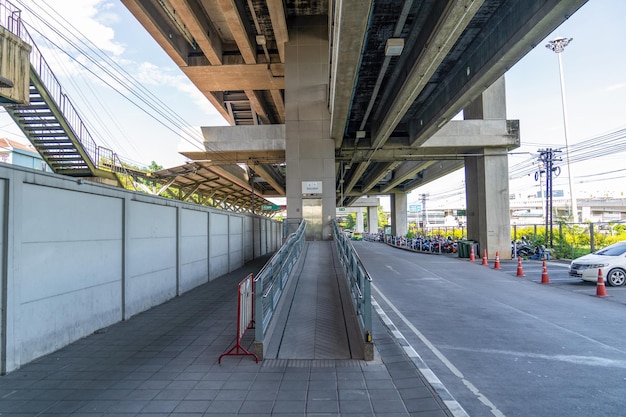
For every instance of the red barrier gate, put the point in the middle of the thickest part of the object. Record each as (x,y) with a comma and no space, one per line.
(245,317)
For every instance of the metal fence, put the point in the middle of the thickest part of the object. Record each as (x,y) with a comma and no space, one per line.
(571,240)
(358,279)
(567,240)
(271,280)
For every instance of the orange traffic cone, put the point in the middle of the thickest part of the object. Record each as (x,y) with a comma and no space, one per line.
(600,287)
(544,275)
(485,262)
(496,265)
(472,256)
(520,271)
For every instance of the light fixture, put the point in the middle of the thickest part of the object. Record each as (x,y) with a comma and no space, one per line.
(394,47)
(360,134)
(260,40)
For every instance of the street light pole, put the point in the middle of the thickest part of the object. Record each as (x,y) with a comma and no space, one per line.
(558,45)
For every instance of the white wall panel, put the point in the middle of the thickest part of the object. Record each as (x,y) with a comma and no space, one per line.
(235,242)
(70,268)
(194,249)
(218,245)
(151,259)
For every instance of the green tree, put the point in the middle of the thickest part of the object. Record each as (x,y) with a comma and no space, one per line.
(154,167)
(350,221)
(382,218)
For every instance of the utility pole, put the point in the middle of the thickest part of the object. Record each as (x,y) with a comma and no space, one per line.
(547,158)
(424,215)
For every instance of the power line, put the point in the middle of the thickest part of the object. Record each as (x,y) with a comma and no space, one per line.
(120,76)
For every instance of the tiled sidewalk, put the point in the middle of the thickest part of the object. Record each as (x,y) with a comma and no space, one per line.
(163,362)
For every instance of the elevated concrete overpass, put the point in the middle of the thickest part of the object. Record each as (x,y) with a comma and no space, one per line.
(365,91)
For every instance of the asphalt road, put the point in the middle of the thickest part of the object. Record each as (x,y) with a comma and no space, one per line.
(505,345)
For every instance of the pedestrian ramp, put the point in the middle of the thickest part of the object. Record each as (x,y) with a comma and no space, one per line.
(316,318)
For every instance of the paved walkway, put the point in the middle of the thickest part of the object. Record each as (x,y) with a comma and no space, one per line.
(163,362)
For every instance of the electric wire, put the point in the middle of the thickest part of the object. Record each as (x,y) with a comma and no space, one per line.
(125,80)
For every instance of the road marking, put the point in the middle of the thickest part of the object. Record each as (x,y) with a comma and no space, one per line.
(574,359)
(389,267)
(432,379)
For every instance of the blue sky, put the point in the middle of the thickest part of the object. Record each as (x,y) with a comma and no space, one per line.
(594,72)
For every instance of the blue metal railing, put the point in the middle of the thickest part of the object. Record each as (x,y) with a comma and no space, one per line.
(358,279)
(271,280)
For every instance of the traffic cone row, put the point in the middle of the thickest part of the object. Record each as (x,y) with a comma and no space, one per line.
(545,279)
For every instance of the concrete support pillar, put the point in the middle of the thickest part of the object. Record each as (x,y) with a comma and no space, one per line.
(487,201)
(491,104)
(372,219)
(360,227)
(487,180)
(398,214)
(310,152)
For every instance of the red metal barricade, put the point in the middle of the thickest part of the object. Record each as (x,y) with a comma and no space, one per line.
(245,317)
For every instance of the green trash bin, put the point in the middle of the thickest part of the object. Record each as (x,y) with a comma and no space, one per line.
(463,248)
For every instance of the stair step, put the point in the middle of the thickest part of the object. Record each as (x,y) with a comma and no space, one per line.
(56,147)
(67,165)
(49,135)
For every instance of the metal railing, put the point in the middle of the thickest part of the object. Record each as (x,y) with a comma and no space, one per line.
(271,280)
(359,281)
(101,157)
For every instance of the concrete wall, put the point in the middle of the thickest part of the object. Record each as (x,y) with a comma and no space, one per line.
(78,257)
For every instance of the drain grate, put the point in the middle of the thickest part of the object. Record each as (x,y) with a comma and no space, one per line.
(313,363)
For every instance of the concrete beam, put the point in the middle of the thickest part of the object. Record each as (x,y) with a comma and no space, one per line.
(367,202)
(406,171)
(279,24)
(202,30)
(172,42)
(235,77)
(267,176)
(244,138)
(351,20)
(237,26)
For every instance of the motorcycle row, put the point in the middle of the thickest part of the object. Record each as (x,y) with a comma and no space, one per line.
(525,250)
(426,244)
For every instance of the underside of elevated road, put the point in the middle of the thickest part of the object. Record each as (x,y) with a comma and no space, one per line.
(398,72)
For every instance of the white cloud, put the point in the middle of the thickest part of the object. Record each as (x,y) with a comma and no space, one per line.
(616,87)
(89,17)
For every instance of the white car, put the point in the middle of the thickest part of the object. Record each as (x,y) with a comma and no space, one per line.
(611,260)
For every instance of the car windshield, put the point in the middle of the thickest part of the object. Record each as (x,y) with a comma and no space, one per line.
(615,249)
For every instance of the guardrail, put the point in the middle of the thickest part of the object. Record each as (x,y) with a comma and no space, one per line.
(358,279)
(245,319)
(271,280)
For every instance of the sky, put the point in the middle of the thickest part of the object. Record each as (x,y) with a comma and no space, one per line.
(149,107)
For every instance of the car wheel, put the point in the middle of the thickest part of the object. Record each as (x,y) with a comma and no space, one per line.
(616,277)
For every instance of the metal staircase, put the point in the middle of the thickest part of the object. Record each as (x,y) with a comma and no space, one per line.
(55,129)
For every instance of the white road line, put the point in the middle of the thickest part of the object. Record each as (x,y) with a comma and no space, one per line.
(457,410)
